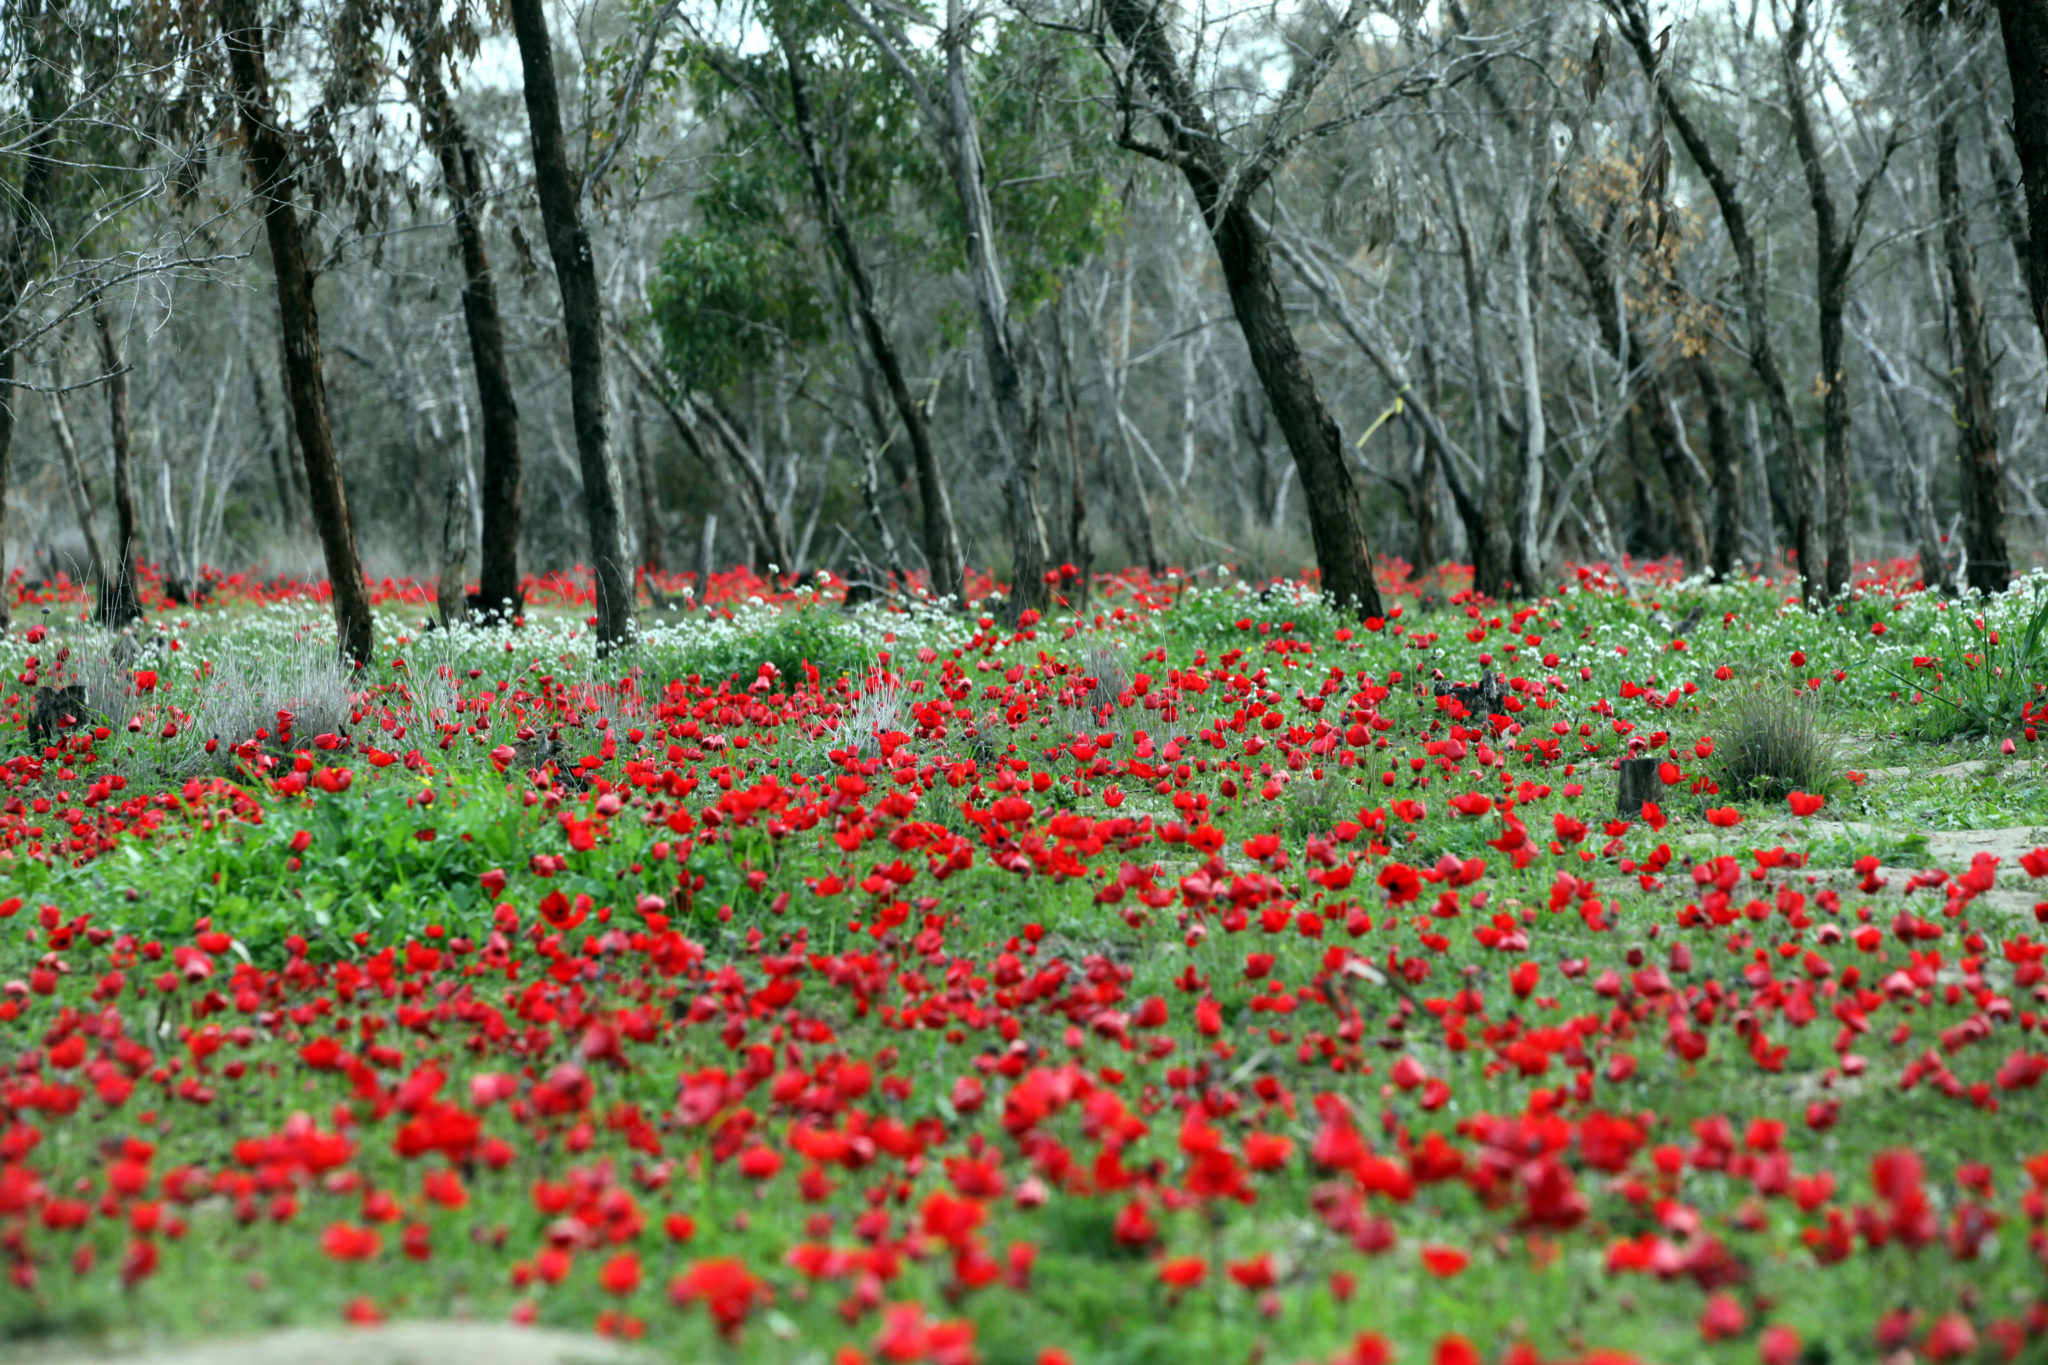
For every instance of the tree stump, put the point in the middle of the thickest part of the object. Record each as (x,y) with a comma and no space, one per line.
(1640,785)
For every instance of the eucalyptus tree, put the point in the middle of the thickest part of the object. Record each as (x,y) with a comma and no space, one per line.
(267,148)
(2024,26)
(560,195)
(1152,80)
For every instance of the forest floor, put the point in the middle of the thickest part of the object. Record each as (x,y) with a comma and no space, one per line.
(1182,975)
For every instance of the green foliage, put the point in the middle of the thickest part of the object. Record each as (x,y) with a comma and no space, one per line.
(726,302)
(1989,679)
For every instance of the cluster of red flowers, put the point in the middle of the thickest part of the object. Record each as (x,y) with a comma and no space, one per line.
(831,1035)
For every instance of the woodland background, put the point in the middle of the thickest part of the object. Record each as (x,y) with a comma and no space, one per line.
(889,290)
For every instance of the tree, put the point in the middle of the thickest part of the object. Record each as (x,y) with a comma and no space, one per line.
(946,107)
(2024,25)
(266,148)
(1981,480)
(118,604)
(582,325)
(1222,193)
(1793,459)
(1834,254)
(503,475)
(27,232)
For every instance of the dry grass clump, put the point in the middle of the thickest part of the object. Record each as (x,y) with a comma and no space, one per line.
(1769,742)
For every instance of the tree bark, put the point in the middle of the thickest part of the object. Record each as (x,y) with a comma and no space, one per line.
(504,473)
(1793,457)
(1492,569)
(1724,462)
(119,602)
(1335,519)
(1654,403)
(653,544)
(2024,25)
(27,239)
(81,494)
(1982,483)
(1835,251)
(1028,553)
(268,154)
(582,326)
(939,536)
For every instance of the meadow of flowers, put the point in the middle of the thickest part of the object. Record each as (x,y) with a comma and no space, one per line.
(1185,974)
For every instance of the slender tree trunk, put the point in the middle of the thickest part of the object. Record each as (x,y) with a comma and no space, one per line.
(1665,433)
(1724,462)
(939,536)
(287,511)
(1792,455)
(2024,24)
(1080,550)
(81,493)
(653,546)
(498,409)
(1835,249)
(268,153)
(1019,430)
(26,239)
(1336,521)
(1528,545)
(1492,571)
(582,326)
(118,602)
(1982,483)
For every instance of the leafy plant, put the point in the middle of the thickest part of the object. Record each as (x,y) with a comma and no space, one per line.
(1993,675)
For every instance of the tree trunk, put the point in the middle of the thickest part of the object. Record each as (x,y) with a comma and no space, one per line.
(1080,550)
(2024,24)
(118,602)
(1028,555)
(653,545)
(1793,457)
(1335,519)
(287,510)
(1492,573)
(1523,236)
(1665,433)
(81,494)
(1724,462)
(1982,485)
(448,593)
(1834,247)
(939,536)
(582,326)
(269,157)
(26,240)
(503,476)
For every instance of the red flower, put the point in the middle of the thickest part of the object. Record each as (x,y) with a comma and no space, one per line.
(1256,1273)
(726,1288)
(1723,1318)
(1183,1272)
(1804,805)
(1443,1262)
(620,1275)
(347,1242)
(1724,817)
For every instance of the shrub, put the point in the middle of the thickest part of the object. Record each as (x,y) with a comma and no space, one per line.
(1769,743)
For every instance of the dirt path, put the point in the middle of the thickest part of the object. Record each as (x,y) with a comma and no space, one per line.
(398,1343)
